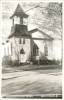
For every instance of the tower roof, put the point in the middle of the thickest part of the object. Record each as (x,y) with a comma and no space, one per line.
(19,31)
(19,12)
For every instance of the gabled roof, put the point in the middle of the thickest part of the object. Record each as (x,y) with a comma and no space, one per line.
(25,33)
(19,12)
(54,35)
(37,29)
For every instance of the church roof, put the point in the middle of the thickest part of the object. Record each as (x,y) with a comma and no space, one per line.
(37,29)
(46,33)
(19,31)
(27,34)
(19,12)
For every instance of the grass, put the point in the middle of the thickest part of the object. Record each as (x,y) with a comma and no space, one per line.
(39,68)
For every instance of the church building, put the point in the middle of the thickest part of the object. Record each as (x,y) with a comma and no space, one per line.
(25,45)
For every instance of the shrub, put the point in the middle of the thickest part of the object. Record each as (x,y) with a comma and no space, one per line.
(46,62)
(6,60)
(15,63)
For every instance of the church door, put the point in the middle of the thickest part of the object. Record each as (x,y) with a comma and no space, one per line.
(22,53)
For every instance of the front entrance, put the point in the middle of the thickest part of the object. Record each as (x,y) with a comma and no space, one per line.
(22,56)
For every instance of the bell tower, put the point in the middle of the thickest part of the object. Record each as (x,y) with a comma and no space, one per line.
(19,16)
(19,19)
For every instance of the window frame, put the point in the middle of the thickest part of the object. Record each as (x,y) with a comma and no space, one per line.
(46,49)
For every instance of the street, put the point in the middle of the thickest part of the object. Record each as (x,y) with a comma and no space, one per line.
(45,82)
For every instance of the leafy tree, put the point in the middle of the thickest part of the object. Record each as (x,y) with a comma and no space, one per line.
(48,17)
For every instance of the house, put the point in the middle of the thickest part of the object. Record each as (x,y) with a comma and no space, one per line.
(27,45)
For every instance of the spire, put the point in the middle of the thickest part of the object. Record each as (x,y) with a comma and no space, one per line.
(19,12)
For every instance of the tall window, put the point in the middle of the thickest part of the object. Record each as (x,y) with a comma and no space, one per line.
(46,50)
(21,41)
(35,50)
(11,49)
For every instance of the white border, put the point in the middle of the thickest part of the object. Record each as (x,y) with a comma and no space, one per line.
(62,41)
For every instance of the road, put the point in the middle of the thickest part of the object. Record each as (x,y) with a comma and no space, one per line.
(46,82)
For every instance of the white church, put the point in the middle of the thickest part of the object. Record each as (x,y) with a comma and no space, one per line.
(35,44)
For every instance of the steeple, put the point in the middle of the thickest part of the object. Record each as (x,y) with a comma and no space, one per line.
(19,22)
(19,12)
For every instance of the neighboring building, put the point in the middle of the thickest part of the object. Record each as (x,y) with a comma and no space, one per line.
(27,45)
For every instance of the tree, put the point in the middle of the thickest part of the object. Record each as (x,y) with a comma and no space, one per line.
(48,17)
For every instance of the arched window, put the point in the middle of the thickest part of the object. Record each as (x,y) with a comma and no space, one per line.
(45,49)
(22,51)
(11,49)
(35,50)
